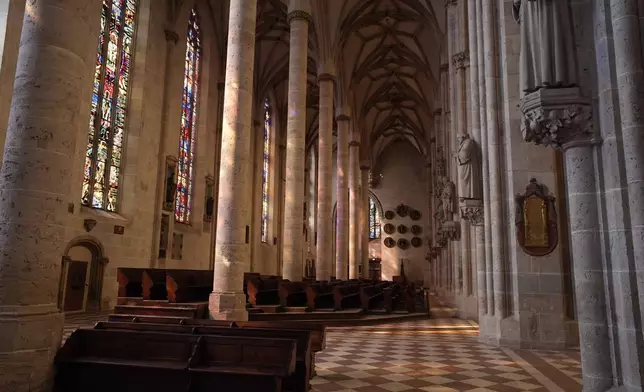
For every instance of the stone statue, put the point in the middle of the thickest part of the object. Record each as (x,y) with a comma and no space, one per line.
(469,170)
(439,215)
(170,187)
(547,49)
(447,197)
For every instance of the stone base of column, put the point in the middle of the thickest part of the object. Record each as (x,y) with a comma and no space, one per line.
(467,307)
(227,306)
(29,340)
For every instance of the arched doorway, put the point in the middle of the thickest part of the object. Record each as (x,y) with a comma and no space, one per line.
(81,282)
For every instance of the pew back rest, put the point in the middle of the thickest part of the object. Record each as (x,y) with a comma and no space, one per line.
(127,279)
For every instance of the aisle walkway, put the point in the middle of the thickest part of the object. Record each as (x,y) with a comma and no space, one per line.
(439,355)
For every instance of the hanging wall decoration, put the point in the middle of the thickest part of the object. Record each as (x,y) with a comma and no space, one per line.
(389,228)
(402,229)
(389,242)
(416,242)
(389,215)
(403,243)
(416,230)
(414,215)
(536,221)
(402,210)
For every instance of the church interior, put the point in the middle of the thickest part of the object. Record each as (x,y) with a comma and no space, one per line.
(323,195)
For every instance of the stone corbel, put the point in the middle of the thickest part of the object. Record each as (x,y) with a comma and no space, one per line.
(560,118)
(461,60)
(472,211)
(452,230)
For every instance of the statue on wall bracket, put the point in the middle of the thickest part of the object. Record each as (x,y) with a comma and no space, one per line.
(469,168)
(536,221)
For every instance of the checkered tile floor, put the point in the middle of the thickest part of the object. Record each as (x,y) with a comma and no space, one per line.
(438,355)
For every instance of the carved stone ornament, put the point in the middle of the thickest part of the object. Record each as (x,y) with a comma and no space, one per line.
(452,230)
(414,215)
(389,228)
(561,118)
(441,238)
(390,242)
(403,243)
(461,60)
(536,221)
(416,230)
(472,211)
(298,14)
(389,214)
(416,242)
(402,210)
(402,229)
(89,224)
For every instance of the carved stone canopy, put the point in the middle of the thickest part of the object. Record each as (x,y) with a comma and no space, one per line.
(560,117)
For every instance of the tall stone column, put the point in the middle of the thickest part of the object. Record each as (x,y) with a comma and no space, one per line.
(563,119)
(323,261)
(472,213)
(342,197)
(354,209)
(50,83)
(232,244)
(364,227)
(494,157)
(293,240)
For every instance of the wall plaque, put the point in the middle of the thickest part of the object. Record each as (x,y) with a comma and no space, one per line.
(390,242)
(403,243)
(416,230)
(389,228)
(389,214)
(415,215)
(402,229)
(536,221)
(416,242)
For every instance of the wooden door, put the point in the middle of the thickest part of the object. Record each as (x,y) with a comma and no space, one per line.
(75,286)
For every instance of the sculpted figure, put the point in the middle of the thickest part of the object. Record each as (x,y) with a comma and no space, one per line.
(469,162)
(547,50)
(447,197)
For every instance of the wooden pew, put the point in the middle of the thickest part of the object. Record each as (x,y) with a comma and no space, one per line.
(130,282)
(292,293)
(319,295)
(154,284)
(263,291)
(188,285)
(298,382)
(370,296)
(346,296)
(110,360)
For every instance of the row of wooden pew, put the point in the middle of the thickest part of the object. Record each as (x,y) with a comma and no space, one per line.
(166,354)
(334,295)
(173,285)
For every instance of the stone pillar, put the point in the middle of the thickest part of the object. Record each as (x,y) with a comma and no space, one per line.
(494,158)
(323,261)
(232,244)
(563,119)
(293,239)
(342,197)
(364,227)
(354,209)
(50,83)
(472,213)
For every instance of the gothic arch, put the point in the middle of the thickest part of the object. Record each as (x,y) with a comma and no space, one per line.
(81,279)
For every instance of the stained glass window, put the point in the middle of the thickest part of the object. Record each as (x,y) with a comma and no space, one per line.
(265,168)
(109,105)
(374,220)
(183,202)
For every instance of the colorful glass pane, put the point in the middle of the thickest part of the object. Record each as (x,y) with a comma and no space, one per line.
(374,220)
(265,169)
(183,202)
(109,105)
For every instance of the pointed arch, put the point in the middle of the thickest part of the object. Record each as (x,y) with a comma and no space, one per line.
(375,217)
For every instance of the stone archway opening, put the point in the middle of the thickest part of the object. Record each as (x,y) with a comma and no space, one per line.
(82,272)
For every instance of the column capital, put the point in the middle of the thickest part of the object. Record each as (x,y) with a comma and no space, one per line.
(354,143)
(342,117)
(461,60)
(298,14)
(438,112)
(450,2)
(560,118)
(171,36)
(326,77)
(445,67)
(472,211)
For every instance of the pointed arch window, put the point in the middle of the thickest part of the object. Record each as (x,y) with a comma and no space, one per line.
(374,220)
(265,169)
(102,172)
(183,203)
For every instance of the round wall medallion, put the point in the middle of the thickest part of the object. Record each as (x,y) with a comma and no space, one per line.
(402,229)
(403,243)
(389,228)
(402,210)
(389,242)
(416,242)
(414,215)
(415,229)
(389,214)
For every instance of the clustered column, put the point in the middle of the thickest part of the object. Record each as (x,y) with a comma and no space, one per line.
(365,229)
(293,238)
(325,181)
(53,62)
(342,197)
(232,248)
(354,210)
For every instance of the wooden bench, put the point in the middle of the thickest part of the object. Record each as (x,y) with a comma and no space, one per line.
(292,293)
(319,295)
(154,284)
(298,382)
(110,360)
(130,282)
(370,296)
(188,285)
(263,291)
(347,296)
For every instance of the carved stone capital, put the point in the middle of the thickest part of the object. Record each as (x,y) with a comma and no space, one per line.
(343,117)
(298,15)
(461,60)
(354,143)
(560,118)
(450,2)
(472,211)
(444,67)
(326,77)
